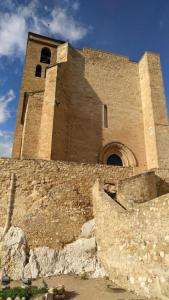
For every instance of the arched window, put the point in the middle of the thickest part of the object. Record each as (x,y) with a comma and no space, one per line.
(45,55)
(114,160)
(38,71)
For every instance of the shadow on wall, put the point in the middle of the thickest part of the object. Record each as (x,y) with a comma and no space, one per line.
(137,189)
(78,115)
(162,186)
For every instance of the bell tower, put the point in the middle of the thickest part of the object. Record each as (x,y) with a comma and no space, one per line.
(41,53)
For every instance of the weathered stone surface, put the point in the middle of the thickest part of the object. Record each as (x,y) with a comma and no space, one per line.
(42,262)
(79,257)
(14,253)
(1,232)
(53,198)
(56,293)
(133,245)
(100,271)
(87,230)
(49,296)
(89,81)
(60,289)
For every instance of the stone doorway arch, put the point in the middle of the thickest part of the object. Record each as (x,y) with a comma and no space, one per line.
(120,151)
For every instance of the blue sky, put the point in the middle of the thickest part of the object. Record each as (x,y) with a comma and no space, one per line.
(128,27)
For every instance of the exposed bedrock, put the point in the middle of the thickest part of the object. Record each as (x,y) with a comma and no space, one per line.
(79,257)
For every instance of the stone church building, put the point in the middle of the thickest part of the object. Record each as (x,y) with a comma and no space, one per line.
(91,106)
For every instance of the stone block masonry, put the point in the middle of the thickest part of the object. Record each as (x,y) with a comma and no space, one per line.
(52,199)
(89,105)
(134,244)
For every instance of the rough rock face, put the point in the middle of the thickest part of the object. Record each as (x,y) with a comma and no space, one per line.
(14,252)
(79,257)
(88,229)
(42,262)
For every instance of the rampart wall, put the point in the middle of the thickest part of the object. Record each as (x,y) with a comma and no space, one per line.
(133,244)
(53,199)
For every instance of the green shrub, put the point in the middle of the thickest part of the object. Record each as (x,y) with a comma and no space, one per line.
(21,292)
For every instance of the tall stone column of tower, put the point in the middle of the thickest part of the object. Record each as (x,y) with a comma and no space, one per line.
(155,119)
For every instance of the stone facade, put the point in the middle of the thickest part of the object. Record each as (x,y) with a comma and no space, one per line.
(89,105)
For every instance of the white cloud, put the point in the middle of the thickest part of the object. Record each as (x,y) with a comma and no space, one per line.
(19,19)
(60,22)
(5,143)
(4,106)
(12,34)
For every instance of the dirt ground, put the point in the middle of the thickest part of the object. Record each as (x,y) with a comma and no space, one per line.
(88,289)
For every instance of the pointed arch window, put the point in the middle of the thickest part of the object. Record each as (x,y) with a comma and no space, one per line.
(38,71)
(45,55)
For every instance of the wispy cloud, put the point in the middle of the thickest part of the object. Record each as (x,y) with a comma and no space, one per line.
(5,143)
(17,19)
(12,33)
(4,106)
(63,24)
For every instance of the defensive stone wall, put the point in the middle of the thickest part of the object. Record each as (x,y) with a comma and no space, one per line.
(52,199)
(137,189)
(133,244)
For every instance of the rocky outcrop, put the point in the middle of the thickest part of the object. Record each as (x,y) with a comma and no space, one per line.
(42,262)
(88,229)
(14,252)
(79,257)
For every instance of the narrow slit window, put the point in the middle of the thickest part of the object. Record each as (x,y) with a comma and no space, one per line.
(25,102)
(38,71)
(105,117)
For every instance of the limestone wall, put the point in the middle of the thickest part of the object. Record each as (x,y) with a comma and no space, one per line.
(82,85)
(156,129)
(53,199)
(48,114)
(133,244)
(139,188)
(30,83)
(93,99)
(30,136)
(96,79)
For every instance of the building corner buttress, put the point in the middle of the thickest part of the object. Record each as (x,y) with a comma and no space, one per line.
(154,110)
